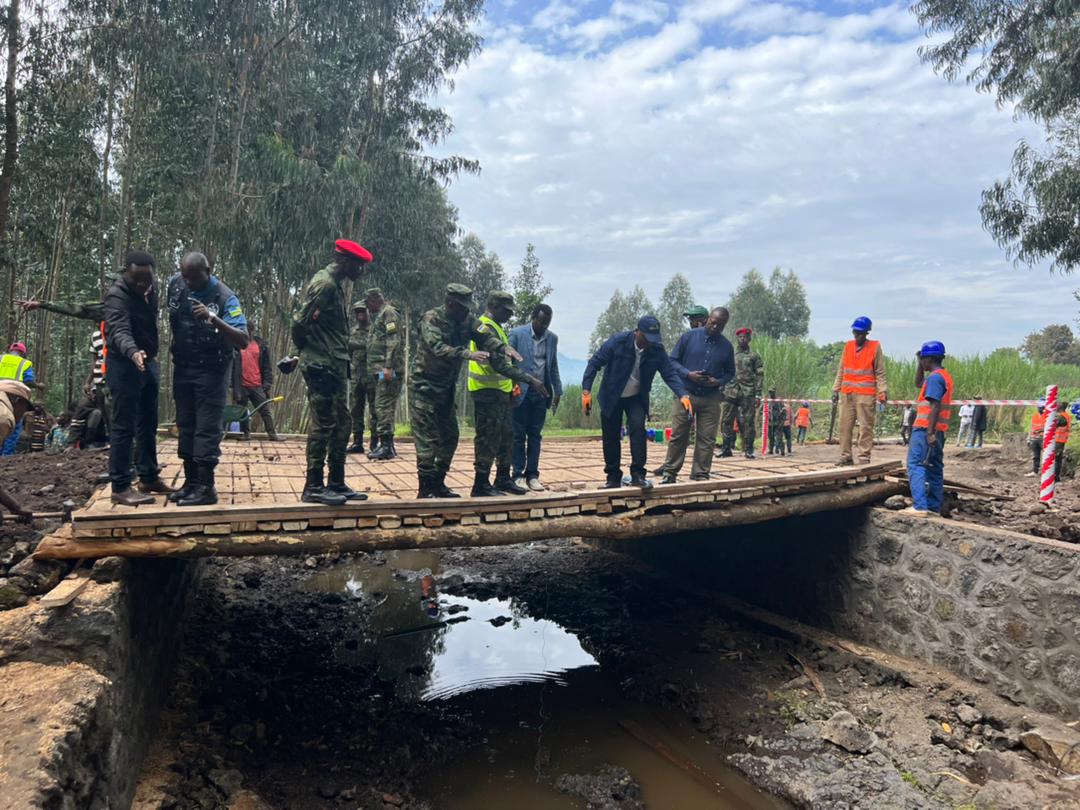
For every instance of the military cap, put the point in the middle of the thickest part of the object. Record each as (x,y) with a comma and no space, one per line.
(349,248)
(373,292)
(496,297)
(696,311)
(460,293)
(359,305)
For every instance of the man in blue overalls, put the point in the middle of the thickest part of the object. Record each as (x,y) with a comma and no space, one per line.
(926,453)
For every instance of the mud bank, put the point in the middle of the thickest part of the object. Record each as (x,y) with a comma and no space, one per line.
(81,686)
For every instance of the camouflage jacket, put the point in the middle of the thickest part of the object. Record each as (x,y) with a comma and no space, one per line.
(386,344)
(358,349)
(749,375)
(443,345)
(320,325)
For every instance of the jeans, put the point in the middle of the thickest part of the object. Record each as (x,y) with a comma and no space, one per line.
(926,470)
(800,437)
(787,436)
(134,420)
(611,426)
(200,393)
(529,417)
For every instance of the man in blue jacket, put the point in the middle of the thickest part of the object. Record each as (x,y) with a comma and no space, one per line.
(630,361)
(539,350)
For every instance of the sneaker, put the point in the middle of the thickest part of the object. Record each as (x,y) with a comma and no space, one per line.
(535,485)
(911,511)
(519,480)
(1030,475)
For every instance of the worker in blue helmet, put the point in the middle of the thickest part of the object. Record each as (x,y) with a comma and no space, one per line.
(859,387)
(926,453)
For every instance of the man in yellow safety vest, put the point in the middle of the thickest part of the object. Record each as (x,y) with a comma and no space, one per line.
(14,365)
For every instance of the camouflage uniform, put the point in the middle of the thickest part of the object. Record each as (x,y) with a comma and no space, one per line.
(386,349)
(492,406)
(363,395)
(740,398)
(442,346)
(320,330)
(776,426)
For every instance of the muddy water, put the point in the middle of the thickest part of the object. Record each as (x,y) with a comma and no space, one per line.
(545,704)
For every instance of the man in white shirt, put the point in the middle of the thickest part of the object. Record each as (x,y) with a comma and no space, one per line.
(967,415)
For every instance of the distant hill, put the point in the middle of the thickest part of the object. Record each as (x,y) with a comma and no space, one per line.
(571,370)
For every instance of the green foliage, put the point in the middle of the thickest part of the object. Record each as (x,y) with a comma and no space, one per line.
(778,309)
(530,288)
(676,298)
(1025,52)
(571,416)
(622,313)
(1055,343)
(483,271)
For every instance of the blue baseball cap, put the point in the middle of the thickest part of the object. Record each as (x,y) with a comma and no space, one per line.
(651,327)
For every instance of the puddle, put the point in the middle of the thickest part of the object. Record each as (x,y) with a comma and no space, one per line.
(545,704)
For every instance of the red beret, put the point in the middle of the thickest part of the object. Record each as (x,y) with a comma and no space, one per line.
(746,330)
(350,248)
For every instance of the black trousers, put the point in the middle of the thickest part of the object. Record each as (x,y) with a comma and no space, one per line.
(134,421)
(634,411)
(200,393)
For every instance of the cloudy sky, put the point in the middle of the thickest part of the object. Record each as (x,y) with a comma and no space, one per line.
(633,139)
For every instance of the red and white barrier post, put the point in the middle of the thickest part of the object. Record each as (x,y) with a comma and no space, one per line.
(1046,482)
(765,426)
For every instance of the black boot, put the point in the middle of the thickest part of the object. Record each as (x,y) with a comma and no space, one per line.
(315,492)
(424,489)
(504,483)
(439,488)
(335,483)
(482,487)
(203,493)
(374,445)
(750,450)
(191,478)
(385,450)
(357,446)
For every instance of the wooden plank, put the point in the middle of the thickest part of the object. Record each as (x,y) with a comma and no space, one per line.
(66,591)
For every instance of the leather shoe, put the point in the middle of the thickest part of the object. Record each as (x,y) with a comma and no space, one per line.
(355,447)
(669,479)
(509,487)
(612,483)
(640,481)
(129,497)
(200,495)
(157,485)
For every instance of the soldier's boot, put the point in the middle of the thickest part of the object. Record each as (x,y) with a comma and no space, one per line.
(357,446)
(385,450)
(191,478)
(424,489)
(203,493)
(750,450)
(504,483)
(440,489)
(335,483)
(482,487)
(315,492)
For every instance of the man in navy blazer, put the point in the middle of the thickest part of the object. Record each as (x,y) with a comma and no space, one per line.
(539,350)
(630,361)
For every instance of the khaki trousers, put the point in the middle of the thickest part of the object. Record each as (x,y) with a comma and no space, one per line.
(707,413)
(864,408)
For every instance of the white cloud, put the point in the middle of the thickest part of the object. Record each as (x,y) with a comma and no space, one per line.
(721,135)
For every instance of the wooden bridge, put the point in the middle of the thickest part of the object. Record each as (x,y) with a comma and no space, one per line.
(260,512)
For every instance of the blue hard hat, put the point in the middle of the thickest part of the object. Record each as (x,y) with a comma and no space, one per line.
(862,324)
(932,348)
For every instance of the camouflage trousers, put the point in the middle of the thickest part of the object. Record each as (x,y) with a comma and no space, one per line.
(744,408)
(435,431)
(363,396)
(328,415)
(494,431)
(386,397)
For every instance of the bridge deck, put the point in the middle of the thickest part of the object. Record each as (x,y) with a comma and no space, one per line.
(260,511)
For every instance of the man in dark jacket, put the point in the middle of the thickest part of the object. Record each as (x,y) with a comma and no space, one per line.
(630,361)
(133,375)
(978,424)
(252,376)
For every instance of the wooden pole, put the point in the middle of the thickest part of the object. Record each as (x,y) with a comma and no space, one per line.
(62,544)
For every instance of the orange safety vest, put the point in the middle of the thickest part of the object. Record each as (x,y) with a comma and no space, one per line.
(1061,435)
(922,412)
(1038,425)
(104,349)
(857,369)
(802,417)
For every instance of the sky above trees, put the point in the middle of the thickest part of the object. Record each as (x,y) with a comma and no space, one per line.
(631,140)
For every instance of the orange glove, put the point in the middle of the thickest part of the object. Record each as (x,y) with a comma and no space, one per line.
(517,391)
(686,404)
(586,402)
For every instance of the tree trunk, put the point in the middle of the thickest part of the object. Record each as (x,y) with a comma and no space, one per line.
(11,148)
(103,257)
(124,220)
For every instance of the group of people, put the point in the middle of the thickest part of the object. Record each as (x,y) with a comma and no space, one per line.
(513,381)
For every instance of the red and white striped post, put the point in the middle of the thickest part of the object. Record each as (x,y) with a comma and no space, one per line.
(1046,482)
(764,426)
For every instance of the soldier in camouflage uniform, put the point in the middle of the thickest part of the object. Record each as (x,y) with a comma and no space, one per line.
(741,395)
(442,345)
(385,369)
(363,395)
(320,330)
(777,414)
(492,395)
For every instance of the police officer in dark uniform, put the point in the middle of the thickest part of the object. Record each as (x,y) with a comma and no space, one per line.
(208,324)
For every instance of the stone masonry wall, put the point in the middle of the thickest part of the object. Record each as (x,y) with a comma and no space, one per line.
(1000,608)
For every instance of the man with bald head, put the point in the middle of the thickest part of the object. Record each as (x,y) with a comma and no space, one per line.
(208,325)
